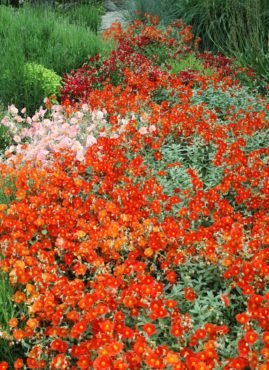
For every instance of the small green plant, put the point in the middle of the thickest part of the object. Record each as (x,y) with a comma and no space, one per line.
(49,81)
(188,63)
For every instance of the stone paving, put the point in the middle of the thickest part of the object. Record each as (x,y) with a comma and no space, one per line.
(112,15)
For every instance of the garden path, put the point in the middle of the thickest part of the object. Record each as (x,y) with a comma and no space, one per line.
(112,15)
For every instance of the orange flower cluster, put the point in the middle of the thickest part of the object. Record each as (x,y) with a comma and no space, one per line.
(102,252)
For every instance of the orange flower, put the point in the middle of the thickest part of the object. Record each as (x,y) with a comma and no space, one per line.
(78,329)
(265,337)
(13,322)
(251,336)
(18,364)
(242,318)
(32,323)
(18,334)
(102,363)
(60,362)
(150,329)
(3,365)
(106,326)
(84,362)
(172,358)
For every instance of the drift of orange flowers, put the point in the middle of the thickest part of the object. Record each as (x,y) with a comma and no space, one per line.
(101,251)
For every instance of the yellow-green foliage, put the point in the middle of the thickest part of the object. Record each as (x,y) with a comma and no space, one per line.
(49,81)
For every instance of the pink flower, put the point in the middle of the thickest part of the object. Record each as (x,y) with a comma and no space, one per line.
(99,115)
(73,120)
(6,121)
(85,107)
(90,140)
(152,128)
(19,119)
(13,110)
(143,130)
(17,139)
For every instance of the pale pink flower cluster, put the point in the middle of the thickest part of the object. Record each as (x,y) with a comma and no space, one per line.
(36,138)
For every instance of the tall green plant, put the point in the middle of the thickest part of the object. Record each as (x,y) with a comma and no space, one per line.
(238,28)
(86,15)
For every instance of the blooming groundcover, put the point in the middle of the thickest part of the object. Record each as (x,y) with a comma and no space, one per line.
(140,240)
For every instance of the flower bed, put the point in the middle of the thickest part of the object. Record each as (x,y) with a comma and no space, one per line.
(150,248)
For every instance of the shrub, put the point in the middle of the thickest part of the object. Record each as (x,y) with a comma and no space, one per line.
(49,81)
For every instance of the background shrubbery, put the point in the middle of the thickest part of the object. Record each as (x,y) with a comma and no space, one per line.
(46,37)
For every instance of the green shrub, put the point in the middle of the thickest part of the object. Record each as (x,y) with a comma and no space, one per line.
(48,80)
(46,37)
(86,13)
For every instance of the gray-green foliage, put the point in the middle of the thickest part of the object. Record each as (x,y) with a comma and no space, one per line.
(219,100)
(207,308)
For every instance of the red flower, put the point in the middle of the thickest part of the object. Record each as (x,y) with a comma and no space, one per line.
(3,365)
(79,328)
(176,331)
(84,363)
(102,363)
(190,294)
(251,336)
(150,329)
(242,318)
